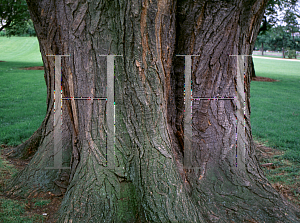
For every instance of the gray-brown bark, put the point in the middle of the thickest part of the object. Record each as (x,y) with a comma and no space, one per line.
(214,32)
(149,182)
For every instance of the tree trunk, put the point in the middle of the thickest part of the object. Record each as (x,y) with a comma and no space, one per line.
(251,68)
(283,54)
(149,182)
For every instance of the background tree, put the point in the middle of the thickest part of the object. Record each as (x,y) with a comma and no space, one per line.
(279,39)
(290,18)
(261,41)
(15,18)
(150,183)
(272,20)
(24,29)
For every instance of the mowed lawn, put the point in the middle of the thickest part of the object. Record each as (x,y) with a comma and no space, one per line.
(275,121)
(275,106)
(22,92)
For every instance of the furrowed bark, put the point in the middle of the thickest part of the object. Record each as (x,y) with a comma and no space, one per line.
(149,185)
(149,182)
(223,191)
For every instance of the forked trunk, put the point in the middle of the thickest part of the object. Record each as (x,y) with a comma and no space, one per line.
(149,181)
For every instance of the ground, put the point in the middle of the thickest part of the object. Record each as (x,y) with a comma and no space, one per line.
(43,205)
(265,79)
(32,68)
(268,159)
(264,154)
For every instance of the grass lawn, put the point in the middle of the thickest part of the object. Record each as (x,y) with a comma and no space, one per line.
(22,92)
(275,117)
(22,109)
(275,106)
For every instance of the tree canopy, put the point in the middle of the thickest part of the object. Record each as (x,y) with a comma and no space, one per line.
(15,17)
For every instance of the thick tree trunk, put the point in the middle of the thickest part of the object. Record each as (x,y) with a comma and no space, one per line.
(223,191)
(149,182)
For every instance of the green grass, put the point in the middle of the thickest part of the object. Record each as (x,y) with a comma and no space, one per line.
(6,170)
(41,202)
(275,106)
(275,115)
(280,57)
(22,92)
(22,109)
(13,211)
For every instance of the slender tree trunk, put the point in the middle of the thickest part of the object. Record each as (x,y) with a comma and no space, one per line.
(283,54)
(251,68)
(149,183)
(293,34)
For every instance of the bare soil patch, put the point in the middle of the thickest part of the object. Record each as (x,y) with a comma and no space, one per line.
(17,163)
(49,210)
(33,68)
(264,79)
(263,152)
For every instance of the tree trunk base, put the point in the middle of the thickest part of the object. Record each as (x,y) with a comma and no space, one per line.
(27,149)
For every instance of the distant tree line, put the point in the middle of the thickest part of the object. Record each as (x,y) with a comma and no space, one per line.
(280,33)
(277,39)
(15,19)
